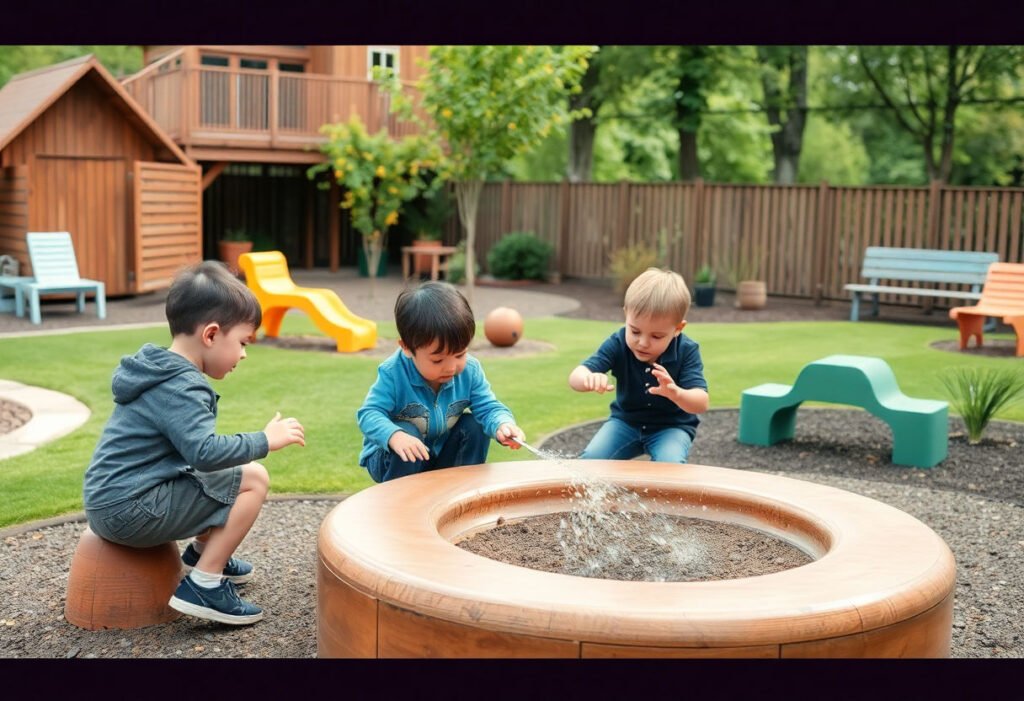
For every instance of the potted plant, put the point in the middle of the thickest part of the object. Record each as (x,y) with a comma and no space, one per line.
(424,218)
(704,286)
(232,244)
(744,275)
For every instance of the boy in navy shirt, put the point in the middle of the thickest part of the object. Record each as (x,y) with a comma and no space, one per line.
(659,372)
(431,406)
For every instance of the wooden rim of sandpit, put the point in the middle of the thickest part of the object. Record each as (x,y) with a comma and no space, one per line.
(875,565)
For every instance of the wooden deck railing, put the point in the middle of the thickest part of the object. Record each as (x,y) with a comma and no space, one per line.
(224,107)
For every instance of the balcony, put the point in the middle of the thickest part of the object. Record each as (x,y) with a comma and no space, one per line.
(229,114)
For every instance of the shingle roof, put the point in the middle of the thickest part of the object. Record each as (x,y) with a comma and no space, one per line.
(27,95)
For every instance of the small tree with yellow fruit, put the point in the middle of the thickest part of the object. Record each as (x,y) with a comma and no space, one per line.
(379,174)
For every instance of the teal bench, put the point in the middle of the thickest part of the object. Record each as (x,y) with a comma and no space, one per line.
(920,428)
(919,265)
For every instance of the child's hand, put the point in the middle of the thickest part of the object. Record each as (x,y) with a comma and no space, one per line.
(407,447)
(667,387)
(507,432)
(282,432)
(597,382)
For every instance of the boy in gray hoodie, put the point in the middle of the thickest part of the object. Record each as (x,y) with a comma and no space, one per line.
(160,472)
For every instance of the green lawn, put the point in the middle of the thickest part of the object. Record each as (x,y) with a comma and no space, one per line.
(324,390)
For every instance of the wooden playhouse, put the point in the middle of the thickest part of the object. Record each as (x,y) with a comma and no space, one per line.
(78,154)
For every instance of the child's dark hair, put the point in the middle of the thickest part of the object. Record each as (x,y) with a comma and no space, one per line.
(208,292)
(434,311)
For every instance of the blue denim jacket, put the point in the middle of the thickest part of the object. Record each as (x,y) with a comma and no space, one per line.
(401,394)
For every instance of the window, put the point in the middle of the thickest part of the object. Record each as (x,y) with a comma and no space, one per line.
(384,56)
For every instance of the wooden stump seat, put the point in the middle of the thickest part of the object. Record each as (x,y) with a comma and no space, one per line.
(115,586)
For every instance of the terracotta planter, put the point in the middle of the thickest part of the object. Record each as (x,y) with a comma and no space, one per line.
(230,250)
(751,294)
(421,263)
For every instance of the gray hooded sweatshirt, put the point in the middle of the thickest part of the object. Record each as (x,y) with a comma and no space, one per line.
(163,425)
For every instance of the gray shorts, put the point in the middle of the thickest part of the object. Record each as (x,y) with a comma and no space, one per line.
(175,510)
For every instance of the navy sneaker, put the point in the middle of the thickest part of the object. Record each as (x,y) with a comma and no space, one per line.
(238,571)
(221,604)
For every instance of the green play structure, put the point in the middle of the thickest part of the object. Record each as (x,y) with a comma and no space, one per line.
(920,430)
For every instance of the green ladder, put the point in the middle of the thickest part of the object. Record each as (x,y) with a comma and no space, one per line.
(920,428)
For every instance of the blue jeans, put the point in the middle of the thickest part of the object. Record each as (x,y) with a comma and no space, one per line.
(466,445)
(617,440)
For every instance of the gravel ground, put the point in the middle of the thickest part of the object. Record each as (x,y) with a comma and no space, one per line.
(973,500)
(13,415)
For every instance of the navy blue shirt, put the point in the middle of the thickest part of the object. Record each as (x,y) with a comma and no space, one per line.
(633,378)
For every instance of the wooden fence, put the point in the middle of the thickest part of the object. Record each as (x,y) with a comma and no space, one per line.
(806,240)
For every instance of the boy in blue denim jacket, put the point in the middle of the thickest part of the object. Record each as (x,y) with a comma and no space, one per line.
(660,375)
(161,473)
(415,415)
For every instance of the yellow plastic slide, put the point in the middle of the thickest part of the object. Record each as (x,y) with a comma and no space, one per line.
(266,274)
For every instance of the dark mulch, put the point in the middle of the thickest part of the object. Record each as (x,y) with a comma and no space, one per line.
(850,443)
(13,415)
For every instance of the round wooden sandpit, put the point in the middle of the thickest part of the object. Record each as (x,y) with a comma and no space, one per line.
(391,583)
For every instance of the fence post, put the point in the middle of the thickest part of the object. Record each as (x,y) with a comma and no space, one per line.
(700,244)
(620,235)
(818,242)
(934,208)
(563,231)
(506,213)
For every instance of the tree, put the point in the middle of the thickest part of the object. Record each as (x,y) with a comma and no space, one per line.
(379,175)
(924,86)
(489,104)
(119,60)
(784,80)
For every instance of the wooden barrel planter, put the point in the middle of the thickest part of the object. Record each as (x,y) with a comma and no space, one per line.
(391,582)
(751,294)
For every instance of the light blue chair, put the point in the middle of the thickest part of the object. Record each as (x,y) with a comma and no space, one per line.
(55,270)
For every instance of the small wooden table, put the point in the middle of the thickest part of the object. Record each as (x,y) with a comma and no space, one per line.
(11,299)
(438,258)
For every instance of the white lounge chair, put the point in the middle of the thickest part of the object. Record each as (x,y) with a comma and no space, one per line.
(55,270)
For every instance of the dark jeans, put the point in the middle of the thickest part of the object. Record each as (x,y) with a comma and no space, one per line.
(466,445)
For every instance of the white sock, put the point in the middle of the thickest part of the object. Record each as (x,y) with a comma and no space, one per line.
(205,579)
(198,547)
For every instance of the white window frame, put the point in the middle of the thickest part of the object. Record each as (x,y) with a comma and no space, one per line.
(371,50)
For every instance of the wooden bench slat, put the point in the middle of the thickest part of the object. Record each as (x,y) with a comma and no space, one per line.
(920,265)
(920,291)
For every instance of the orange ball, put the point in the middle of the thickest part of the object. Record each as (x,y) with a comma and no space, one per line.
(503,326)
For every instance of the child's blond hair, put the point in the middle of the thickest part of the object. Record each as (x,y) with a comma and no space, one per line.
(658,292)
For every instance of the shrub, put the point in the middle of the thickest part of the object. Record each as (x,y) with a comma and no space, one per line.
(627,264)
(704,275)
(977,394)
(519,256)
(457,265)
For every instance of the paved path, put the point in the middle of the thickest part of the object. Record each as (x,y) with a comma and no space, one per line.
(60,317)
(54,414)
